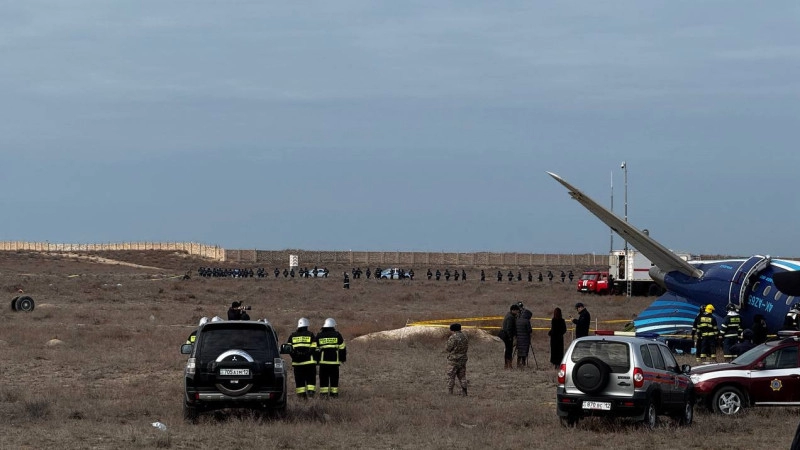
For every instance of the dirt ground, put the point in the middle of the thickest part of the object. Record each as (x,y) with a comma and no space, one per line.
(119,319)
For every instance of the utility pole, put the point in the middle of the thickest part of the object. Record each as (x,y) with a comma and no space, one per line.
(624,167)
(611,230)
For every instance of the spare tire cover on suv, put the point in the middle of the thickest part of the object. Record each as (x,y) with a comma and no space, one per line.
(590,375)
(234,385)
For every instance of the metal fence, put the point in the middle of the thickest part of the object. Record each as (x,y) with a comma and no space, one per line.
(192,248)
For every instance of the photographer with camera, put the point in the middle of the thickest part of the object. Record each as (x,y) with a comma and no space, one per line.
(238,312)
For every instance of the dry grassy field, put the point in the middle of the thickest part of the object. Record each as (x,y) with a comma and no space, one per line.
(118,367)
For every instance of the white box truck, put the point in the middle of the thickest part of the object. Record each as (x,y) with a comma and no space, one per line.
(634,267)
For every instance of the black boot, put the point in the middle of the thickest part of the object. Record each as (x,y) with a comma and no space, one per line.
(464,391)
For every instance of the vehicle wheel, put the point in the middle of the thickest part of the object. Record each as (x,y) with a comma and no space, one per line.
(569,421)
(190,413)
(650,416)
(25,304)
(590,375)
(14,303)
(687,415)
(728,400)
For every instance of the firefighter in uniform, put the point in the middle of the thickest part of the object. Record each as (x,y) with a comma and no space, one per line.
(304,346)
(729,331)
(792,319)
(705,328)
(331,352)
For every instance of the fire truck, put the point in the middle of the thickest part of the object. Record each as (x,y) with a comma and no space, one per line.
(594,282)
(634,267)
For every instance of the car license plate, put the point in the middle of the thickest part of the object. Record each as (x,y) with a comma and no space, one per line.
(234,372)
(605,406)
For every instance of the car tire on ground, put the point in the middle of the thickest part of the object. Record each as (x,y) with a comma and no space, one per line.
(650,416)
(569,421)
(686,417)
(190,413)
(728,400)
(24,304)
(590,375)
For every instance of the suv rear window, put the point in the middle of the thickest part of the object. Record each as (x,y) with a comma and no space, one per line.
(253,340)
(615,354)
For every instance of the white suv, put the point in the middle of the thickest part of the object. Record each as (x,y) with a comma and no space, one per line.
(623,376)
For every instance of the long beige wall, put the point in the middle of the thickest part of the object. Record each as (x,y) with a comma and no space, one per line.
(192,248)
(280,258)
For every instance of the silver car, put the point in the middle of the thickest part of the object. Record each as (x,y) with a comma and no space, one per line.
(623,376)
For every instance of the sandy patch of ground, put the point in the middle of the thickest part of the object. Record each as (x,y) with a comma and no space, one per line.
(101,260)
(427,331)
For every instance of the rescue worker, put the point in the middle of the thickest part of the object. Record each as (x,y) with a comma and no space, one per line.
(507,333)
(530,276)
(729,331)
(463,275)
(285,273)
(457,346)
(430,274)
(759,329)
(571,276)
(519,276)
(304,346)
(331,352)
(792,319)
(368,273)
(540,277)
(499,276)
(446,274)
(193,336)
(456,274)
(550,276)
(705,329)
(510,276)
(438,274)
(483,276)
(745,345)
(346,281)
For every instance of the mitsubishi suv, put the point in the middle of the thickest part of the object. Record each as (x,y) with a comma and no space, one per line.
(234,364)
(623,376)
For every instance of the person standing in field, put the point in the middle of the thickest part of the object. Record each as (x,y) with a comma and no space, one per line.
(524,331)
(331,352)
(558,328)
(304,346)
(507,333)
(582,321)
(457,346)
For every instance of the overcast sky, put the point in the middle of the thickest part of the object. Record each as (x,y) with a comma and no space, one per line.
(402,125)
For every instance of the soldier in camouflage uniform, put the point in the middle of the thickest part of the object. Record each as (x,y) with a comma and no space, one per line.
(457,346)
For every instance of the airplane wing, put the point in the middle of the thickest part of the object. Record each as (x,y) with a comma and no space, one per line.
(659,255)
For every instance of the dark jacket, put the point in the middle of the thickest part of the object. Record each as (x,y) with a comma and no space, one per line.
(304,346)
(582,323)
(330,347)
(524,332)
(509,328)
(558,328)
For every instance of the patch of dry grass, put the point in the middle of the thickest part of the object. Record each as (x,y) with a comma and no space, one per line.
(119,368)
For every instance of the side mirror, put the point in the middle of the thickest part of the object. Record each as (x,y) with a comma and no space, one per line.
(686,369)
(186,349)
(286,349)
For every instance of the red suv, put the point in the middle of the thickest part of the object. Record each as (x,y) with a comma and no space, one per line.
(767,375)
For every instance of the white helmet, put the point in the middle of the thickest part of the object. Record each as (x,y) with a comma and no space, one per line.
(303,322)
(329,323)
(216,319)
(203,321)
